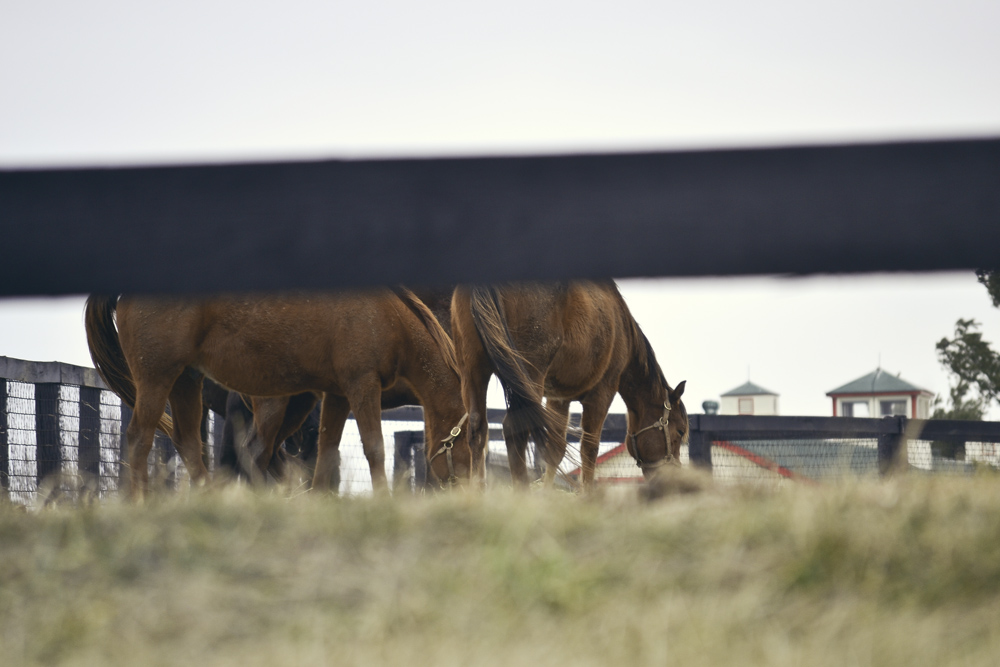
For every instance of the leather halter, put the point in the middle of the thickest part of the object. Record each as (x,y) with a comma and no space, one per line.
(661,425)
(446,446)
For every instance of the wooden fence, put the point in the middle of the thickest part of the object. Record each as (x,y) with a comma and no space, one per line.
(62,431)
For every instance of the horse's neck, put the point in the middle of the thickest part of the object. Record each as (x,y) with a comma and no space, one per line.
(637,390)
(640,383)
(430,375)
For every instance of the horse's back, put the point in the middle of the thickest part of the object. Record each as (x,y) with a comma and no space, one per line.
(266,345)
(593,340)
(571,317)
(158,332)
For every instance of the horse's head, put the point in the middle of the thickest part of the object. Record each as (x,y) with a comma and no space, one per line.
(449,456)
(659,432)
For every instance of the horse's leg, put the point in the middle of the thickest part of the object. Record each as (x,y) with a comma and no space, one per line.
(475,371)
(297,409)
(365,398)
(555,449)
(332,417)
(276,420)
(185,409)
(268,416)
(236,432)
(517,445)
(474,386)
(595,411)
(150,400)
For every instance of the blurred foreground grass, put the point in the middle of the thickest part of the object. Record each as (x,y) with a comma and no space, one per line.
(903,572)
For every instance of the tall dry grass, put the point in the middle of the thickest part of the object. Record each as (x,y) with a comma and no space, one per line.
(904,572)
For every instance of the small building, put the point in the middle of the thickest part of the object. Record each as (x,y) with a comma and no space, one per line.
(881,394)
(749,399)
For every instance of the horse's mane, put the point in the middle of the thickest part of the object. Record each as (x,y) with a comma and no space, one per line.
(643,354)
(431,323)
(648,358)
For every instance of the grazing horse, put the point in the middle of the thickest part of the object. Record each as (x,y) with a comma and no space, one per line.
(349,347)
(280,419)
(574,341)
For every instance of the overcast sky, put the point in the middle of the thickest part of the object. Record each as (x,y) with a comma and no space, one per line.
(125,81)
(116,82)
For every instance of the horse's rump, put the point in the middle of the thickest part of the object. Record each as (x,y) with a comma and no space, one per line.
(107,354)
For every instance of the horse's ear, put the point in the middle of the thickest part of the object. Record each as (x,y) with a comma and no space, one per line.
(677,392)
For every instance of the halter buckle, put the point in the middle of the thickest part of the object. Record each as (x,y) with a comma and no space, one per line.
(446,446)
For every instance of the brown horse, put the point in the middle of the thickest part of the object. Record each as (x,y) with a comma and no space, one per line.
(277,419)
(573,341)
(350,347)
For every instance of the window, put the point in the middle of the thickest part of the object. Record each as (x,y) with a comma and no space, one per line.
(746,406)
(893,408)
(855,408)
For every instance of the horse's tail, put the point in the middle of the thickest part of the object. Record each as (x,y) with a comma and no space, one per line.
(525,412)
(106,351)
(431,323)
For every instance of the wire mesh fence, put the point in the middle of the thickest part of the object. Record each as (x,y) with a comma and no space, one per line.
(355,473)
(803,460)
(821,450)
(58,435)
(62,434)
(21,472)
(836,459)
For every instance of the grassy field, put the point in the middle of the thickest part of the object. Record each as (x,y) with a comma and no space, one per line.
(905,572)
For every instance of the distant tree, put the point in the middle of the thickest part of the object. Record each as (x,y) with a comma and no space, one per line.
(991,279)
(959,407)
(972,364)
(972,361)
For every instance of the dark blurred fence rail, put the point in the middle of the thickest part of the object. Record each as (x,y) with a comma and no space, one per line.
(326,224)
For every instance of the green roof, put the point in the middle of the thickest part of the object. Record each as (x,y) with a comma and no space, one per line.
(876,382)
(749,389)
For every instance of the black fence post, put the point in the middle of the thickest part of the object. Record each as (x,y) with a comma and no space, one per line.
(402,463)
(4,443)
(890,447)
(409,460)
(419,460)
(89,461)
(48,453)
(699,445)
